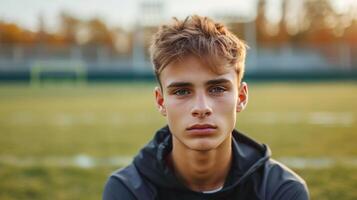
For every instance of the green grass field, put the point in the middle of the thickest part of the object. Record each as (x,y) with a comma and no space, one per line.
(42,128)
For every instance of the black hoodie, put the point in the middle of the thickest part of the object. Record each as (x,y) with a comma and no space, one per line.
(253,175)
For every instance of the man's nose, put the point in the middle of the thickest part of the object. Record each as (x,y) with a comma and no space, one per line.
(201,107)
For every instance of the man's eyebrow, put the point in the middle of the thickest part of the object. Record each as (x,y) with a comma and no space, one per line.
(188,84)
(179,84)
(218,81)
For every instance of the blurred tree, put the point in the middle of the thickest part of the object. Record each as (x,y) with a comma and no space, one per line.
(268,32)
(318,21)
(122,41)
(306,21)
(350,33)
(12,34)
(41,33)
(69,27)
(99,34)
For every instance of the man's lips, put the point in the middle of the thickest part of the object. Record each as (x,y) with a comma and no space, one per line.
(201,127)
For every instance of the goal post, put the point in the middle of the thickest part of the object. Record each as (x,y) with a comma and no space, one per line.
(46,70)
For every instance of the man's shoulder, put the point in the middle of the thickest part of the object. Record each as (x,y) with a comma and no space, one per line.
(127,182)
(283,183)
(115,189)
(282,172)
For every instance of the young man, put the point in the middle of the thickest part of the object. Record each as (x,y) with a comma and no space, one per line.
(199,65)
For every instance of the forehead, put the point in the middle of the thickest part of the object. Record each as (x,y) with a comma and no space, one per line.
(192,70)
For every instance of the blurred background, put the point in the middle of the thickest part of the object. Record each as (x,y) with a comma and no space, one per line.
(76,89)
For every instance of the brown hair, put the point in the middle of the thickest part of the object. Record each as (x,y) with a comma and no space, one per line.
(198,36)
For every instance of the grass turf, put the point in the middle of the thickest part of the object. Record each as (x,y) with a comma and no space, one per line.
(295,120)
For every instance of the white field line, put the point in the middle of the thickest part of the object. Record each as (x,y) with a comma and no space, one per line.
(341,119)
(82,161)
(318,162)
(70,119)
(85,161)
(345,119)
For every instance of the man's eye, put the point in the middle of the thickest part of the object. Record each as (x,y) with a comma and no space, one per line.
(217,90)
(181,92)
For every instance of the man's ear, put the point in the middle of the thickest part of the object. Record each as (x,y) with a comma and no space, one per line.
(159,98)
(242,97)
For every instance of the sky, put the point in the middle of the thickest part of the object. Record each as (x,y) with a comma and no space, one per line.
(125,12)
(113,12)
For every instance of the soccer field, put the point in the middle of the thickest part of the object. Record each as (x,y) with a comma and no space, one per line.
(62,141)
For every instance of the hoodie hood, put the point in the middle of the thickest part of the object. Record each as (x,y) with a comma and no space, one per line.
(248,156)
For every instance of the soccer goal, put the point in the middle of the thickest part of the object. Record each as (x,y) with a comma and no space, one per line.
(58,71)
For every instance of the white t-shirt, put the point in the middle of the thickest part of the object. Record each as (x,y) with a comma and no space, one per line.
(212,191)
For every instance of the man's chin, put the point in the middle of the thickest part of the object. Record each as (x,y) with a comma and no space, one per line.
(203,145)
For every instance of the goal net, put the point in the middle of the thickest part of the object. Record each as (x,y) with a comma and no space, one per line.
(58,71)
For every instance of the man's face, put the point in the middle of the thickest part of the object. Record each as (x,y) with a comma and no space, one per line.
(200,105)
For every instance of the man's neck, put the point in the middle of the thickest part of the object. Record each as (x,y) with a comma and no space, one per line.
(202,170)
